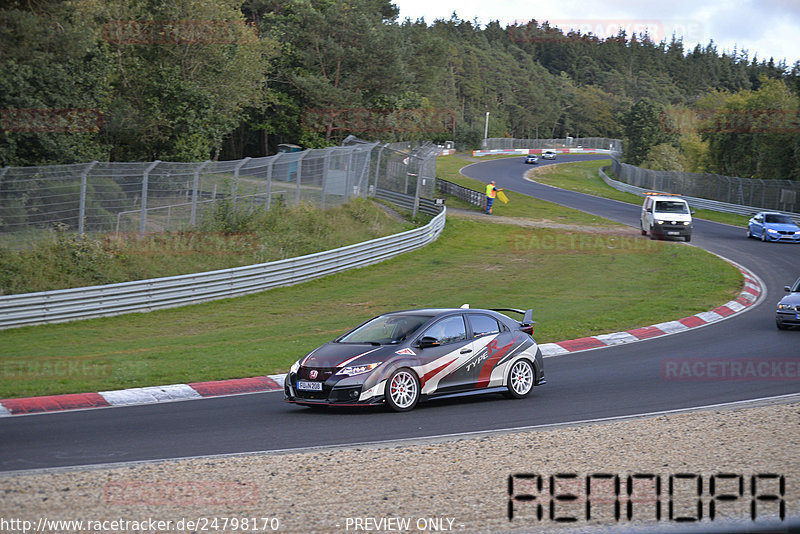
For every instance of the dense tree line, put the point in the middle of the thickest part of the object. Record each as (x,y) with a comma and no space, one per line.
(311,72)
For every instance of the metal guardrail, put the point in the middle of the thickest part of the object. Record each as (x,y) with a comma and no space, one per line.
(466,194)
(694,202)
(158,293)
(407,201)
(764,194)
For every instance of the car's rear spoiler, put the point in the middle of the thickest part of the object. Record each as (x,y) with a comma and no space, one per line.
(527,318)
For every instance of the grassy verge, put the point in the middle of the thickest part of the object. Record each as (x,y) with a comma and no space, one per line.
(64,260)
(584,178)
(519,205)
(577,284)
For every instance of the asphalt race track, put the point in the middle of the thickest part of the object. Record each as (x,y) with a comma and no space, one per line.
(617,381)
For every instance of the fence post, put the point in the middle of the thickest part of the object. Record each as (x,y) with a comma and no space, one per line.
(350,176)
(82,209)
(416,192)
(299,174)
(364,172)
(145,179)
(325,164)
(236,180)
(272,161)
(378,168)
(195,187)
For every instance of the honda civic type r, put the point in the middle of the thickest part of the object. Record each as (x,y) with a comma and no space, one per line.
(404,357)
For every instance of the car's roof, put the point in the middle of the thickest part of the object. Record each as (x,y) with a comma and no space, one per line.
(436,311)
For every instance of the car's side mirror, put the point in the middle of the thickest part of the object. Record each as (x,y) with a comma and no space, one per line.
(427,342)
(692,212)
(787,289)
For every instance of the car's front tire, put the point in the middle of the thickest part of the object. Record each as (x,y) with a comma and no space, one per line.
(764,236)
(687,238)
(781,326)
(520,379)
(402,390)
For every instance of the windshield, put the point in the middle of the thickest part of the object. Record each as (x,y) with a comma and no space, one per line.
(778,218)
(386,329)
(671,206)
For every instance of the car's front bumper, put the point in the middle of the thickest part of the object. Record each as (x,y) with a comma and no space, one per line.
(784,238)
(787,317)
(672,230)
(334,392)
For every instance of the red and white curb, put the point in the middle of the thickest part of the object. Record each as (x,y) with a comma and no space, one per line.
(750,295)
(136,396)
(154,394)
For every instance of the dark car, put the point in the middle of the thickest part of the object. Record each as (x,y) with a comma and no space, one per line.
(773,227)
(531,158)
(403,357)
(788,312)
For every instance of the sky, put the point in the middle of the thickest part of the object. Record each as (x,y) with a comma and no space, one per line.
(766,28)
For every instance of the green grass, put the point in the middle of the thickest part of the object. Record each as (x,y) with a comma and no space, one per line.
(577,284)
(63,260)
(585,178)
(519,205)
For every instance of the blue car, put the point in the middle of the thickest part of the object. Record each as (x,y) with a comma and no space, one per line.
(769,226)
(788,312)
(531,158)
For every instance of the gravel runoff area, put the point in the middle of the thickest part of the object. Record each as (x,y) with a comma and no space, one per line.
(440,485)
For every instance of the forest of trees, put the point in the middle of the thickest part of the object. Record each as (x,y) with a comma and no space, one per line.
(261,72)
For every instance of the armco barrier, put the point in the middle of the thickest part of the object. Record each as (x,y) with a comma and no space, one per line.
(158,293)
(698,203)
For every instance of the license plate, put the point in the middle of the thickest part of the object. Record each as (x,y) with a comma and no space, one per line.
(673,233)
(309,386)
(797,316)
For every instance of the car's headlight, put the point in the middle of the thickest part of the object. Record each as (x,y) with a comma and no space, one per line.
(686,223)
(295,367)
(770,230)
(660,222)
(785,307)
(357,369)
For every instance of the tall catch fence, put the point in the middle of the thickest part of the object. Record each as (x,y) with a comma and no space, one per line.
(145,197)
(779,195)
(755,194)
(596,143)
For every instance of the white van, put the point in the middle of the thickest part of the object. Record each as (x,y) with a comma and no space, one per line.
(666,215)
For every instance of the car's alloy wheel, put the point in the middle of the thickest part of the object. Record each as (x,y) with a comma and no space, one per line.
(520,379)
(402,390)
(764,235)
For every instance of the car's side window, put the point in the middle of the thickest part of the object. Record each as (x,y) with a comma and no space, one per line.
(449,330)
(483,325)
